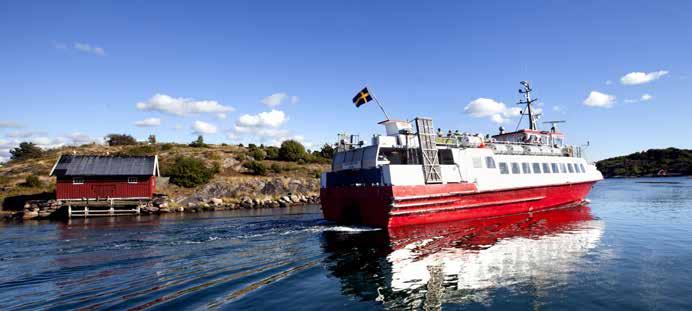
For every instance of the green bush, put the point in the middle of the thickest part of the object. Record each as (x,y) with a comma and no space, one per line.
(190,172)
(32,181)
(26,151)
(276,168)
(199,142)
(167,146)
(272,153)
(291,150)
(120,140)
(258,154)
(327,151)
(256,168)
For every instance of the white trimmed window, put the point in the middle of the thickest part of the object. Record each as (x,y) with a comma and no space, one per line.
(132,180)
(536,168)
(526,168)
(504,169)
(78,180)
(489,162)
(515,168)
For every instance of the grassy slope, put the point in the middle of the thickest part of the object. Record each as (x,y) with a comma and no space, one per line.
(229,158)
(648,163)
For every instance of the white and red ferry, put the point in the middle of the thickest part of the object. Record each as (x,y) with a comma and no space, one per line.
(424,176)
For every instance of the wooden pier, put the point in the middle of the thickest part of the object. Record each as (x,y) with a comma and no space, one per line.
(99,208)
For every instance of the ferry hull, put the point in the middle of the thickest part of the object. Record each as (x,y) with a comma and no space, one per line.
(395,206)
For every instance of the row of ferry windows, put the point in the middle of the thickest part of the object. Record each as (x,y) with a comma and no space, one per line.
(529,168)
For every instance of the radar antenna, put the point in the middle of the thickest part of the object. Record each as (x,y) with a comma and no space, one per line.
(528,101)
(553,124)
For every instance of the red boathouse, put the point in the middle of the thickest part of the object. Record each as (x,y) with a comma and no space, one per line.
(85,177)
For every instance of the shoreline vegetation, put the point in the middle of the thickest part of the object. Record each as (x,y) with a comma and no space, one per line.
(667,162)
(194,177)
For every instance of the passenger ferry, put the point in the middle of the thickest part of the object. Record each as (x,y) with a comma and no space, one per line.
(425,176)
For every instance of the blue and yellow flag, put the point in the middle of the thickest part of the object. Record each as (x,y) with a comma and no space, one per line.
(362,97)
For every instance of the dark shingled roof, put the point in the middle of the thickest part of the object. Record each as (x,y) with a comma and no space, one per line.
(82,165)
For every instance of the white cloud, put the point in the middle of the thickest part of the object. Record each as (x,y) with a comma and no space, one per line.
(88,48)
(264,127)
(182,106)
(643,98)
(78,138)
(646,97)
(496,111)
(598,99)
(10,125)
(295,99)
(149,122)
(273,118)
(23,134)
(45,142)
(274,100)
(634,78)
(222,116)
(200,128)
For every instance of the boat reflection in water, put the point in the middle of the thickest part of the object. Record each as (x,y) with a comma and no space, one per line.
(462,262)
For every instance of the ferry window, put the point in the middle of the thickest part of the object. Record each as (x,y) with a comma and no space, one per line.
(446,156)
(358,155)
(348,157)
(132,180)
(526,168)
(477,163)
(570,168)
(339,158)
(536,168)
(563,168)
(78,181)
(554,167)
(579,169)
(546,168)
(515,168)
(489,162)
(582,168)
(503,168)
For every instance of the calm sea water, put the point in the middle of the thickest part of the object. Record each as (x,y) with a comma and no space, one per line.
(630,249)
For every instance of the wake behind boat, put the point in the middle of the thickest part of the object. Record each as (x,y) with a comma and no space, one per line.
(415,177)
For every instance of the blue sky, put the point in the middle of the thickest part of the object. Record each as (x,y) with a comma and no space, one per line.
(75,71)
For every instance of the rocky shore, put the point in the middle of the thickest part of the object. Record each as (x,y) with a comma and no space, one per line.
(54,209)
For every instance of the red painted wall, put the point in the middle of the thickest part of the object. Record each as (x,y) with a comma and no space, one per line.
(105,187)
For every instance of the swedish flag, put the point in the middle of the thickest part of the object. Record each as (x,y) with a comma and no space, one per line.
(362,97)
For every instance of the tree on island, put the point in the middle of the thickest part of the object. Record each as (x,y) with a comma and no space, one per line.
(120,140)
(152,139)
(199,142)
(25,151)
(292,150)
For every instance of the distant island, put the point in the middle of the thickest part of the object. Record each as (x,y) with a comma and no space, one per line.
(653,162)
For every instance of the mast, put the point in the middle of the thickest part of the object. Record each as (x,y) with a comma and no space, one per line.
(528,101)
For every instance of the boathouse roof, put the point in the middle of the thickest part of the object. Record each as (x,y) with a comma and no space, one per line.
(97,165)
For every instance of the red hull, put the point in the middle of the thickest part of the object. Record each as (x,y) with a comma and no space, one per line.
(395,206)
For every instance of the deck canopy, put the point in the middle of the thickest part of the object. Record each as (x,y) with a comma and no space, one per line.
(91,165)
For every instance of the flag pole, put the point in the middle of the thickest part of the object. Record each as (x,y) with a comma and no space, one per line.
(379,105)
